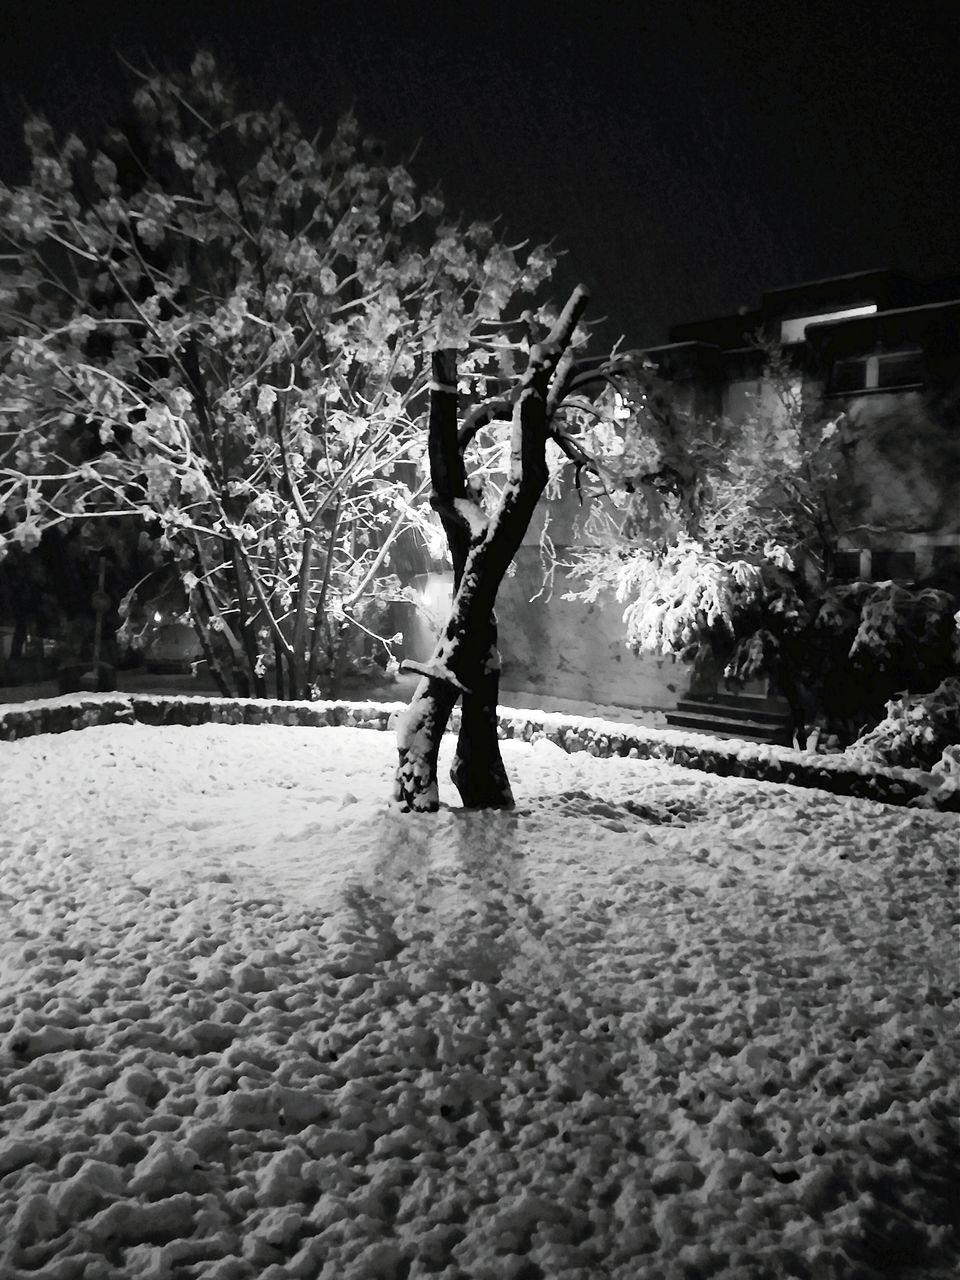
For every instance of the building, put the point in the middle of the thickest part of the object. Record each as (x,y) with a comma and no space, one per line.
(882,350)
(879,352)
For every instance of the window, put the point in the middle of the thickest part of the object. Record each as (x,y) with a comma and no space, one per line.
(879,371)
(846,566)
(900,368)
(848,375)
(879,564)
(946,557)
(892,564)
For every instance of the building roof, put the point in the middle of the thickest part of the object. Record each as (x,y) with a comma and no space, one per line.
(897,298)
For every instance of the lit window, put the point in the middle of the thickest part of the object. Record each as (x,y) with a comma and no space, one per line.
(794,329)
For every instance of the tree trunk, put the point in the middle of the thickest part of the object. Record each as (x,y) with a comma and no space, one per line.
(801,711)
(19,638)
(213,663)
(478,771)
(338,665)
(278,664)
(316,639)
(465,659)
(298,682)
(248,634)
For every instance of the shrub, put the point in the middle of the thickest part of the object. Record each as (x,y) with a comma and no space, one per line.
(917,732)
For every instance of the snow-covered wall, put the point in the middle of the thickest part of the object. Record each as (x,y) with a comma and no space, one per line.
(567,649)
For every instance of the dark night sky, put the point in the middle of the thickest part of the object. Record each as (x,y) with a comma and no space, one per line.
(687,155)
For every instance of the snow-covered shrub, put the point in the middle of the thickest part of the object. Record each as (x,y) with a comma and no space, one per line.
(949,763)
(917,732)
(718,539)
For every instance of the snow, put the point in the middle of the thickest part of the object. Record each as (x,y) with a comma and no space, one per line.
(522,702)
(655,1023)
(473,516)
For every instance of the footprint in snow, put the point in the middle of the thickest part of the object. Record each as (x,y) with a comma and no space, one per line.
(614,815)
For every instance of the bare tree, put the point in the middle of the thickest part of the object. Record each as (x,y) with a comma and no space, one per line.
(465,663)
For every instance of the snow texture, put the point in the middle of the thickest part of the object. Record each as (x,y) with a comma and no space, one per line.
(653,1024)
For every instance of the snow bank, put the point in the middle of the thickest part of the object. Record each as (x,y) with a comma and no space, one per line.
(652,1024)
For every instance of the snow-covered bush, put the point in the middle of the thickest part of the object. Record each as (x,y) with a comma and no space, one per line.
(917,732)
(866,642)
(711,532)
(718,537)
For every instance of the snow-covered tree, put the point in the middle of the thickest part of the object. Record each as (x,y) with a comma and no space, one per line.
(216,327)
(554,399)
(718,538)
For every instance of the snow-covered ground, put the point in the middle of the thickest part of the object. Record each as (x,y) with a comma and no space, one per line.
(654,1024)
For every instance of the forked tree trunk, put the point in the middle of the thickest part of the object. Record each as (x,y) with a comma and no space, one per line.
(478,772)
(465,661)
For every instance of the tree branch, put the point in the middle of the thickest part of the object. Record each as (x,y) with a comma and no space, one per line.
(384,549)
(500,410)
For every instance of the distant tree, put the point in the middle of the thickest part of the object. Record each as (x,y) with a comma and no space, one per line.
(46,593)
(719,539)
(214,327)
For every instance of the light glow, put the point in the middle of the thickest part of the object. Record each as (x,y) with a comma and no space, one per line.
(794,329)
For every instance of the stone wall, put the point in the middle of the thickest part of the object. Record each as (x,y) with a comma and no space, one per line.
(839,775)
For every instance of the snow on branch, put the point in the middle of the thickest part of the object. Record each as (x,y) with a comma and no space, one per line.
(500,410)
(434,671)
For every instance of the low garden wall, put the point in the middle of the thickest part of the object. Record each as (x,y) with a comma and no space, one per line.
(572,733)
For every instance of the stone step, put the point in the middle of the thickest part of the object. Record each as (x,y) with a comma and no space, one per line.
(724,726)
(763,711)
(764,701)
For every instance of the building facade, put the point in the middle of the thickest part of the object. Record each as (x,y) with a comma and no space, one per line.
(876,351)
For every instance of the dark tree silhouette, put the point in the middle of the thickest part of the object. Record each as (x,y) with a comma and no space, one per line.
(465,663)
